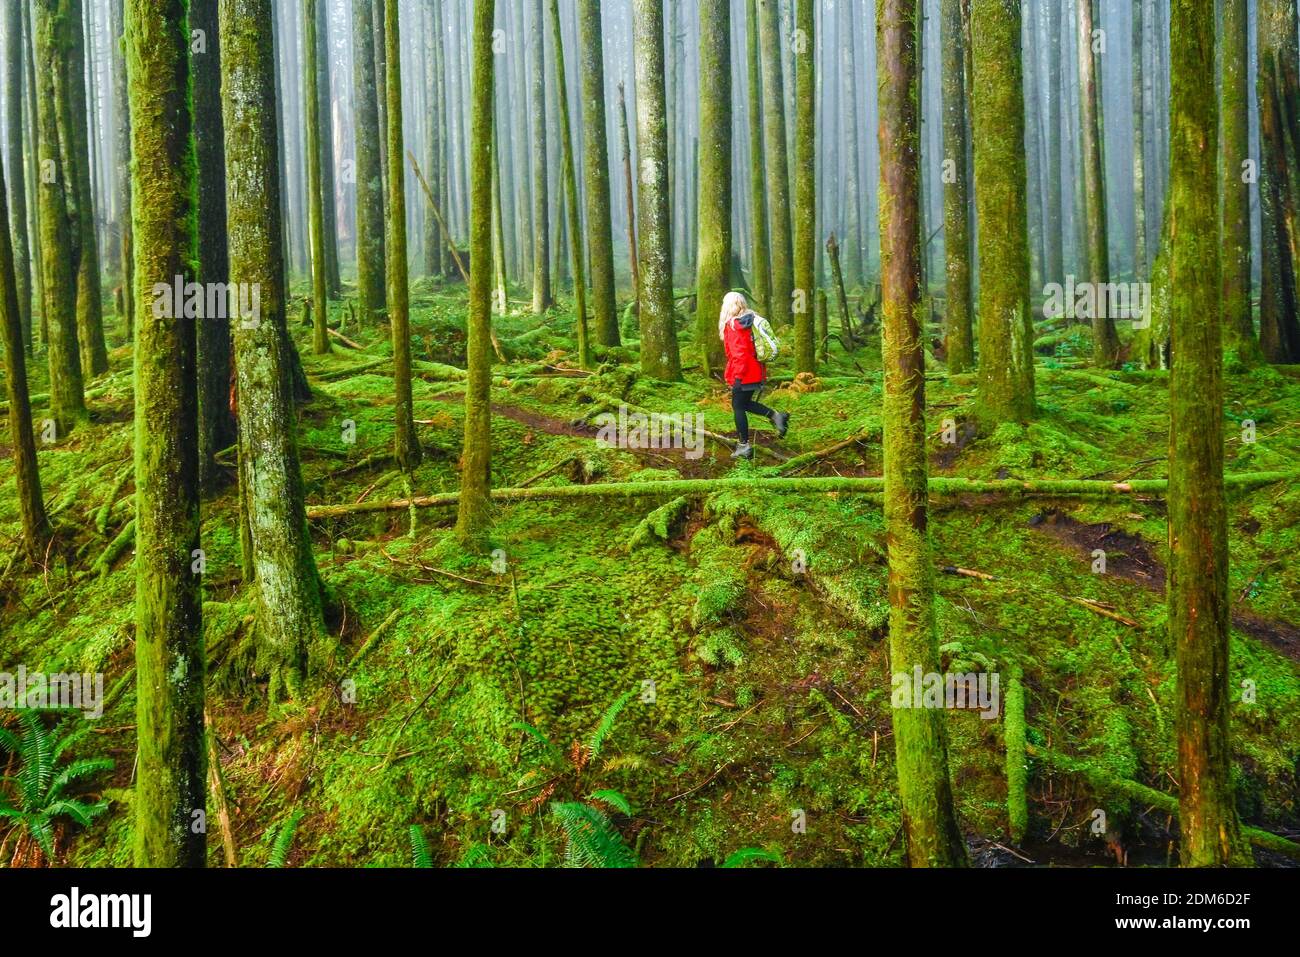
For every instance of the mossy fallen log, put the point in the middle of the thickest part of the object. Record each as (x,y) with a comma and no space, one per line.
(1105,783)
(800,486)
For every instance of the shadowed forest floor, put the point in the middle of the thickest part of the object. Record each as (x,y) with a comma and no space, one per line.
(771,686)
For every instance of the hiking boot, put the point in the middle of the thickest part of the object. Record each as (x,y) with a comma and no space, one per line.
(782,422)
(743,451)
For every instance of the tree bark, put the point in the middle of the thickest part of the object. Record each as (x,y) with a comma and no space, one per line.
(320,339)
(122,154)
(325,104)
(761,280)
(659,355)
(600,234)
(370,180)
(542,299)
(956,193)
(1199,605)
(777,164)
(475,507)
(713,265)
(21,250)
(171,778)
(804,44)
(920,739)
(1238,319)
(1006,361)
(630,195)
(569,176)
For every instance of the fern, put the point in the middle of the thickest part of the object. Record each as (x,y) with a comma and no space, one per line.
(549,749)
(420,854)
(476,855)
(614,799)
(284,840)
(747,855)
(606,725)
(592,840)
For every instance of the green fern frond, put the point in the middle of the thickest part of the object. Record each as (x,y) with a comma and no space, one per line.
(748,855)
(284,840)
(476,855)
(420,853)
(9,741)
(43,831)
(548,747)
(75,770)
(592,840)
(624,762)
(606,724)
(38,759)
(614,799)
(79,811)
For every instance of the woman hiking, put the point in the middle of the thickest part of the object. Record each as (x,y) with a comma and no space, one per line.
(749,343)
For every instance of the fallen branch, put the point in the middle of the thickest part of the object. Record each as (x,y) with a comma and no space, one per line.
(801,486)
(1099,608)
(345,340)
(374,637)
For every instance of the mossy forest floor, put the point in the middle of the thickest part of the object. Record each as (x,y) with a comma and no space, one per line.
(770,686)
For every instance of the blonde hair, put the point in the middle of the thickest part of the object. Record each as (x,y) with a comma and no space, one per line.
(733,305)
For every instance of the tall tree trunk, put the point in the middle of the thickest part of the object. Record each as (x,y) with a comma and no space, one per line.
(659,355)
(325,103)
(1054,267)
(629,196)
(1141,266)
(920,740)
(804,43)
(853,242)
(1279,185)
(1105,340)
(1234,112)
(433,137)
(21,251)
(1199,605)
(90,306)
(216,423)
(569,176)
(122,156)
(31,507)
(33,203)
(320,339)
(762,254)
(713,266)
(956,193)
(521,141)
(370,179)
(399,300)
(777,163)
(291,597)
(600,234)
(1006,361)
(475,508)
(542,299)
(379,28)
(171,779)
(57,195)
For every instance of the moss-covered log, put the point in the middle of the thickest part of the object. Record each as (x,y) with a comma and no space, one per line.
(171,778)
(1199,605)
(1017,765)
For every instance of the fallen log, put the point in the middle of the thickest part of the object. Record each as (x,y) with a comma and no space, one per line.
(800,486)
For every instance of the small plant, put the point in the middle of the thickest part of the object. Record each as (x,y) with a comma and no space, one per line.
(752,855)
(284,840)
(41,784)
(421,856)
(591,838)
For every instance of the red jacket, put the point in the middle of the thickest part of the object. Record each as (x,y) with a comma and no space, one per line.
(742,361)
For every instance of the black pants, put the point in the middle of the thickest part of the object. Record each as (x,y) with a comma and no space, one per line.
(742,402)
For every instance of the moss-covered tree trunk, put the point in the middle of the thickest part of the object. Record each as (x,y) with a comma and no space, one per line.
(600,234)
(1006,360)
(379,23)
(776,162)
(804,44)
(956,192)
(1141,264)
(569,177)
(920,739)
(60,233)
(31,507)
(1234,110)
(122,154)
(320,338)
(13,98)
(474,514)
(761,280)
(33,204)
(290,608)
(659,355)
(542,299)
(399,297)
(370,181)
(1199,605)
(713,263)
(1054,266)
(1278,93)
(1105,340)
(170,782)
(629,196)
(847,142)
(216,421)
(90,304)
(334,283)
(434,120)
